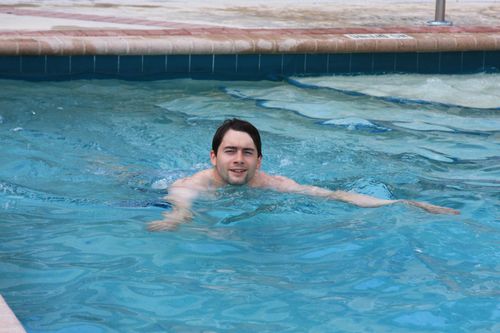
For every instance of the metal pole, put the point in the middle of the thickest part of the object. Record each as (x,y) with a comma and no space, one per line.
(440,12)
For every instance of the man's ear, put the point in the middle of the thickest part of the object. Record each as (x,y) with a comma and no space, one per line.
(213,158)
(259,162)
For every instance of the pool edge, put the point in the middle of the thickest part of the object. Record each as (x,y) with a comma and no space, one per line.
(8,320)
(248,41)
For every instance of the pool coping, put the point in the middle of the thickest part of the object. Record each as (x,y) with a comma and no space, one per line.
(10,323)
(212,40)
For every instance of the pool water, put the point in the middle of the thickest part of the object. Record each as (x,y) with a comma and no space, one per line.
(84,165)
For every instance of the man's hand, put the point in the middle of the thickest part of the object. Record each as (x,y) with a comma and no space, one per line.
(163,225)
(431,208)
(171,221)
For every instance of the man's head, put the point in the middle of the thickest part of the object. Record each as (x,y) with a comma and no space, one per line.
(236,152)
(240,126)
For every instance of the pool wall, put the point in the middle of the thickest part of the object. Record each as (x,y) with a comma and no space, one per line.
(245,66)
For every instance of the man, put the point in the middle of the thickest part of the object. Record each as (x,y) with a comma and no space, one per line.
(236,157)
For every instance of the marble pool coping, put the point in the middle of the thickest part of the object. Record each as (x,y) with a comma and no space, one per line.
(8,320)
(215,40)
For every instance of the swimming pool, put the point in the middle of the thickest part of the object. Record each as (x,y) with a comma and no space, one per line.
(84,165)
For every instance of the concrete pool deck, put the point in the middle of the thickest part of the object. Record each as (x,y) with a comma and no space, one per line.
(127,27)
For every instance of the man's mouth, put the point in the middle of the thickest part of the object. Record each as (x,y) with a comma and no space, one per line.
(238,171)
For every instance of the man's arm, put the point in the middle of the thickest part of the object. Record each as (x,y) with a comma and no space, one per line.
(181,195)
(284,184)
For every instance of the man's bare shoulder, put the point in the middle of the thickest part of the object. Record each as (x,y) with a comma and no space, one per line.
(200,179)
(275,182)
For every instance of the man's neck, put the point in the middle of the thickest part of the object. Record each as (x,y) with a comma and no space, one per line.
(217,180)
(256,181)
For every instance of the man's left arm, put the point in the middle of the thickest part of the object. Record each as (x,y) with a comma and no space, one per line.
(284,184)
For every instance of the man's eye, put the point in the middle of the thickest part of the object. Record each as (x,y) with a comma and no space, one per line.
(249,153)
(229,151)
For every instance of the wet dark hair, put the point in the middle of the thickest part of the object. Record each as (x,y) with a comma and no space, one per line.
(237,125)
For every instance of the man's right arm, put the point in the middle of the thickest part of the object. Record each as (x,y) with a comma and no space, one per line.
(181,195)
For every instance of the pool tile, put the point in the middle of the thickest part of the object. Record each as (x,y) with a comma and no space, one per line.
(33,64)
(202,63)
(362,63)
(316,63)
(255,65)
(58,65)
(130,65)
(10,64)
(106,64)
(339,63)
(178,63)
(384,62)
(82,64)
(472,62)
(271,63)
(428,62)
(225,63)
(293,64)
(406,62)
(154,64)
(492,60)
(451,62)
(248,64)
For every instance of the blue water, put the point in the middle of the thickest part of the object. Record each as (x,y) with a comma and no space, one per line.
(84,164)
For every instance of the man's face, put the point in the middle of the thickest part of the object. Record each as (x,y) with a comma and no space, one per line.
(237,159)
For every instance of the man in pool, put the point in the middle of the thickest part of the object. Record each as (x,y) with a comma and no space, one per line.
(236,157)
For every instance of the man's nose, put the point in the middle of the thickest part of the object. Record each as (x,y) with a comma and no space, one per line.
(239,157)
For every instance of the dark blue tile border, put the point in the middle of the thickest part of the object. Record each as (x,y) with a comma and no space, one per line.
(294,64)
(316,63)
(106,64)
(473,62)
(339,63)
(10,65)
(33,64)
(248,63)
(178,64)
(271,63)
(245,66)
(225,63)
(492,60)
(362,63)
(406,62)
(429,63)
(384,62)
(451,62)
(130,65)
(58,65)
(82,64)
(202,64)
(154,64)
